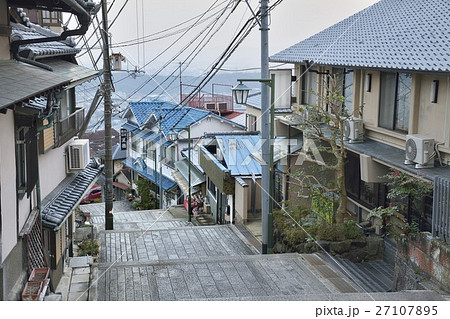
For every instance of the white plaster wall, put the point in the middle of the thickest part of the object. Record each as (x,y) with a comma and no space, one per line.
(7,183)
(211,124)
(52,168)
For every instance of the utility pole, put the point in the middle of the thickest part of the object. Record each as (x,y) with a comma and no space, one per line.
(181,85)
(109,221)
(267,217)
(161,148)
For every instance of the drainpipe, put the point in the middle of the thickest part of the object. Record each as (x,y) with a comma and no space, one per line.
(84,19)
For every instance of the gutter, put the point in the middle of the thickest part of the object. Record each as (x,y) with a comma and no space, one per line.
(84,19)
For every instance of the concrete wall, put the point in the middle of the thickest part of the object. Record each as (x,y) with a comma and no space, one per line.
(13,273)
(420,253)
(8,183)
(241,202)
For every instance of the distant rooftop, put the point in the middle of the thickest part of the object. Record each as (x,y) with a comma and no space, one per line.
(391,34)
(173,115)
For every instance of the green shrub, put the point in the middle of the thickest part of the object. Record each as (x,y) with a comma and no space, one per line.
(352,230)
(330,232)
(147,200)
(88,247)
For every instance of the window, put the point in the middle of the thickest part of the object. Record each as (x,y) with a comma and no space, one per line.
(310,96)
(251,122)
(21,160)
(51,18)
(26,155)
(369,195)
(347,91)
(345,87)
(395,99)
(212,188)
(136,144)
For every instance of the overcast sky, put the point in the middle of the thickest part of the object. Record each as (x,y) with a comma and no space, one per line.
(291,22)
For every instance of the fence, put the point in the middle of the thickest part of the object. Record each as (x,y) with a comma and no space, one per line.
(441,209)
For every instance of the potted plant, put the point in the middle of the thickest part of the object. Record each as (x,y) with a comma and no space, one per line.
(39,274)
(32,291)
(379,217)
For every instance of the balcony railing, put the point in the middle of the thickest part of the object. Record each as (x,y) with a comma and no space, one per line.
(68,127)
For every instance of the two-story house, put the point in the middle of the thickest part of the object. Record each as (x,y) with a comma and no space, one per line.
(393,60)
(44,173)
(150,152)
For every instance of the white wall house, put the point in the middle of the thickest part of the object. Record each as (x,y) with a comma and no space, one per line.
(38,122)
(149,125)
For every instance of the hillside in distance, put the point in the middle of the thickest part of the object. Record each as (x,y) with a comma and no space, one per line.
(134,87)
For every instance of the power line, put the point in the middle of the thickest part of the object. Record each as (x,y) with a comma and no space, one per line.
(175,57)
(206,39)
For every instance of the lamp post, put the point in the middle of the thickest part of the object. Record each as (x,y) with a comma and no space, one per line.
(172,137)
(240,93)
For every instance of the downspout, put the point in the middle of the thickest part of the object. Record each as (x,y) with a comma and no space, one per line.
(84,19)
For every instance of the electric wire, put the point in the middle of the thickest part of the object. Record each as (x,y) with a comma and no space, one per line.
(173,58)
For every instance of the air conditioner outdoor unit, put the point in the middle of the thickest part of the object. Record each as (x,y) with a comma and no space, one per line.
(210,106)
(79,155)
(419,151)
(222,106)
(354,130)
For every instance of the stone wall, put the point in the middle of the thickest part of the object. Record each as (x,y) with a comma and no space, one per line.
(421,257)
(355,250)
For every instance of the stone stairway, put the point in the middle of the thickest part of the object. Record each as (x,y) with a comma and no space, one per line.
(373,276)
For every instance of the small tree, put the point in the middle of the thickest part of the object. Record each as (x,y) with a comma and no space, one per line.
(324,132)
(409,189)
(146,198)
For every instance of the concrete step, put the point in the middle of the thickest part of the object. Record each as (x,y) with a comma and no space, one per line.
(374,276)
(390,250)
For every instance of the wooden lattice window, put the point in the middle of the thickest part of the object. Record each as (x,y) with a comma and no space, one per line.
(32,232)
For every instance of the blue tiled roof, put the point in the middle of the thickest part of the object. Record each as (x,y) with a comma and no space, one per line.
(391,34)
(172,115)
(149,173)
(237,152)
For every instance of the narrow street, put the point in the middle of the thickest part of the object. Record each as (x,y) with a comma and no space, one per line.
(152,255)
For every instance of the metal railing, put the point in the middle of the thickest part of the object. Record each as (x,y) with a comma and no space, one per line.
(441,209)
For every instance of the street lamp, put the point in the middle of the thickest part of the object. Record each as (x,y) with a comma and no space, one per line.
(240,93)
(173,136)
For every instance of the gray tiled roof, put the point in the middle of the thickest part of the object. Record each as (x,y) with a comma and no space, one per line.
(60,207)
(19,82)
(40,50)
(391,34)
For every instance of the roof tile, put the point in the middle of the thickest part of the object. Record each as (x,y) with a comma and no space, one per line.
(393,34)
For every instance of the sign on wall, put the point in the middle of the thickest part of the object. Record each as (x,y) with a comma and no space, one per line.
(123,139)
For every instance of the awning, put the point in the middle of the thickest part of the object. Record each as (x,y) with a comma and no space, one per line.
(394,157)
(76,73)
(197,178)
(150,174)
(61,206)
(183,183)
(120,185)
(20,82)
